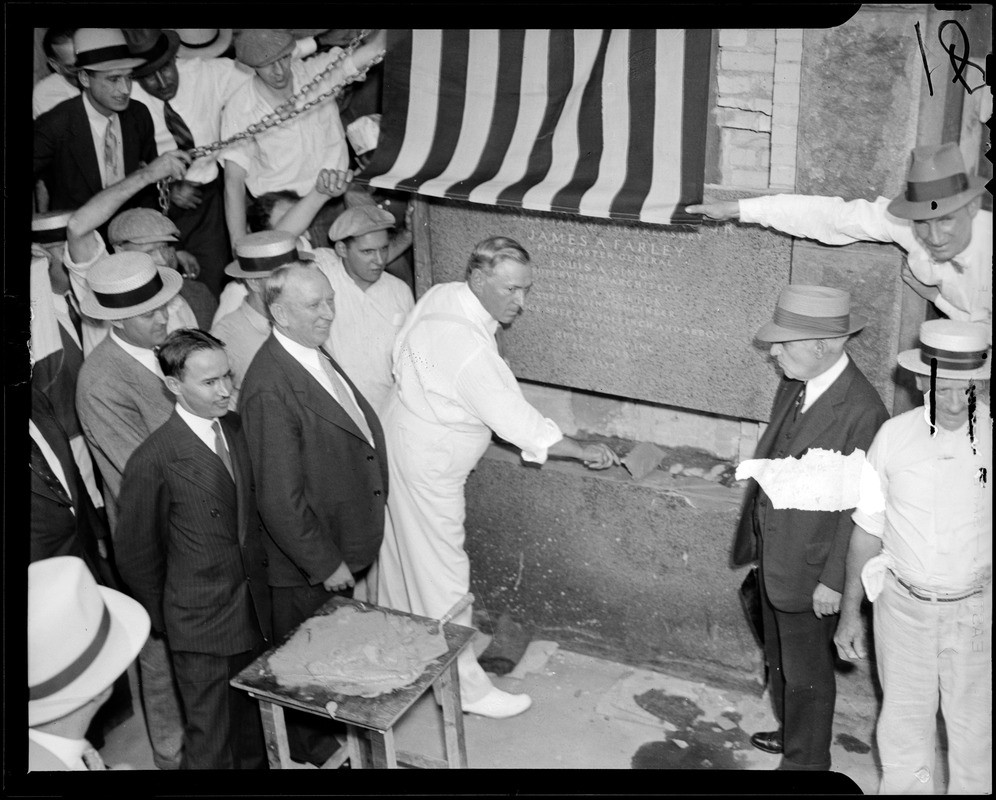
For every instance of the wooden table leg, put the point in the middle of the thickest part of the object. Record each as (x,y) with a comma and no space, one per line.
(357,750)
(382,750)
(456,745)
(275,734)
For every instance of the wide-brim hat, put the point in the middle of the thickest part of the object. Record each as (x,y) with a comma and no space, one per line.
(128,284)
(259,47)
(961,350)
(103,49)
(81,637)
(936,184)
(155,46)
(203,42)
(811,312)
(258,254)
(360,220)
(50,227)
(142,226)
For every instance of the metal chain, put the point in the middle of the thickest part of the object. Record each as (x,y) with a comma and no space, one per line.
(283,113)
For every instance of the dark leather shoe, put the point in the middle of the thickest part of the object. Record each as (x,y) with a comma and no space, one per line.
(769,742)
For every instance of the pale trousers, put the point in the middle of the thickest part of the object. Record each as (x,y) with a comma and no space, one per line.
(929,651)
(161,703)
(423,567)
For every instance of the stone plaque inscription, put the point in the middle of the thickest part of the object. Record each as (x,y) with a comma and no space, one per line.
(632,310)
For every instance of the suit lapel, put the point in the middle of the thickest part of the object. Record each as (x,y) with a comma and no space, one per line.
(196,462)
(82,147)
(823,413)
(788,391)
(129,139)
(240,465)
(137,376)
(311,392)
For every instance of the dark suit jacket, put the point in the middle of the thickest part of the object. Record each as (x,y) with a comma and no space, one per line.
(65,159)
(190,544)
(322,487)
(803,548)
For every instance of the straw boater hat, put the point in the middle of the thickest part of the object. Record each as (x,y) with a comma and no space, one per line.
(811,312)
(936,184)
(961,350)
(203,42)
(81,637)
(128,284)
(258,254)
(154,46)
(360,220)
(103,49)
(142,226)
(50,227)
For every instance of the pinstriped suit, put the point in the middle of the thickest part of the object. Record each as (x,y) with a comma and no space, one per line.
(190,548)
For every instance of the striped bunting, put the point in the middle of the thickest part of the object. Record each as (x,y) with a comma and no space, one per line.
(600,123)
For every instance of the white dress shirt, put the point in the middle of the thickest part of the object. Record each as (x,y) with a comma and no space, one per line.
(289,156)
(68,751)
(818,385)
(142,355)
(201,426)
(966,295)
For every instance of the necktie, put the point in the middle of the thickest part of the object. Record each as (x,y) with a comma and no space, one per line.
(111,165)
(181,133)
(341,392)
(222,449)
(800,401)
(74,315)
(92,758)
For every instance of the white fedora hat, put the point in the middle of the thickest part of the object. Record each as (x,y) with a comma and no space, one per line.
(203,42)
(258,254)
(103,49)
(960,349)
(81,637)
(128,284)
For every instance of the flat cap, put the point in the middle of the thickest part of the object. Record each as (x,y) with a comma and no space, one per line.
(360,220)
(141,226)
(258,47)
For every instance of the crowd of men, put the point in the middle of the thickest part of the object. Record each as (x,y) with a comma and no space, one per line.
(238,411)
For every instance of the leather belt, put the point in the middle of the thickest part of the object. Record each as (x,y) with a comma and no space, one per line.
(938,597)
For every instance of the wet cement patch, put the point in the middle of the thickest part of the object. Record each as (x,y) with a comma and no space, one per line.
(852,744)
(697,743)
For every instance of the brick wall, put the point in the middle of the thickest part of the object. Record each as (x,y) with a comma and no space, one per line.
(757,99)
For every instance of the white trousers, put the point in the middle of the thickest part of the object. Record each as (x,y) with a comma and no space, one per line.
(930,651)
(423,567)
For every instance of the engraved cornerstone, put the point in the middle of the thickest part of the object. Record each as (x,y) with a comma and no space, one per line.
(632,310)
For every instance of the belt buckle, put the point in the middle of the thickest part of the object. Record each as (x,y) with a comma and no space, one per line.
(934,597)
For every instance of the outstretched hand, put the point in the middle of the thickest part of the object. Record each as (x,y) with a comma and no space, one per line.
(173,165)
(721,210)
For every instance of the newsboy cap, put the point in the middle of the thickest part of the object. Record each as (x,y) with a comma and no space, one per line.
(258,47)
(142,226)
(360,220)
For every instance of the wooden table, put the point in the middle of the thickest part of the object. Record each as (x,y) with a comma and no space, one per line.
(364,717)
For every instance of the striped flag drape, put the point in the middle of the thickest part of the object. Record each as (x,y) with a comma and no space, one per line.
(603,123)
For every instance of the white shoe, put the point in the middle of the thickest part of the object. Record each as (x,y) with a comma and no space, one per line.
(499,705)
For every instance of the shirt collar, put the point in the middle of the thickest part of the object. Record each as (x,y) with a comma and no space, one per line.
(142,355)
(477,312)
(257,320)
(96,118)
(68,751)
(199,425)
(818,385)
(306,355)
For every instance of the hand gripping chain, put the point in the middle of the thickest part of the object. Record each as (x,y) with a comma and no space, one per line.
(288,111)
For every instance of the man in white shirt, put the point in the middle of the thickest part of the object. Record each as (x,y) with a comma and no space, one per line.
(121,399)
(81,638)
(186,98)
(246,328)
(62,84)
(452,391)
(937,220)
(922,550)
(285,156)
